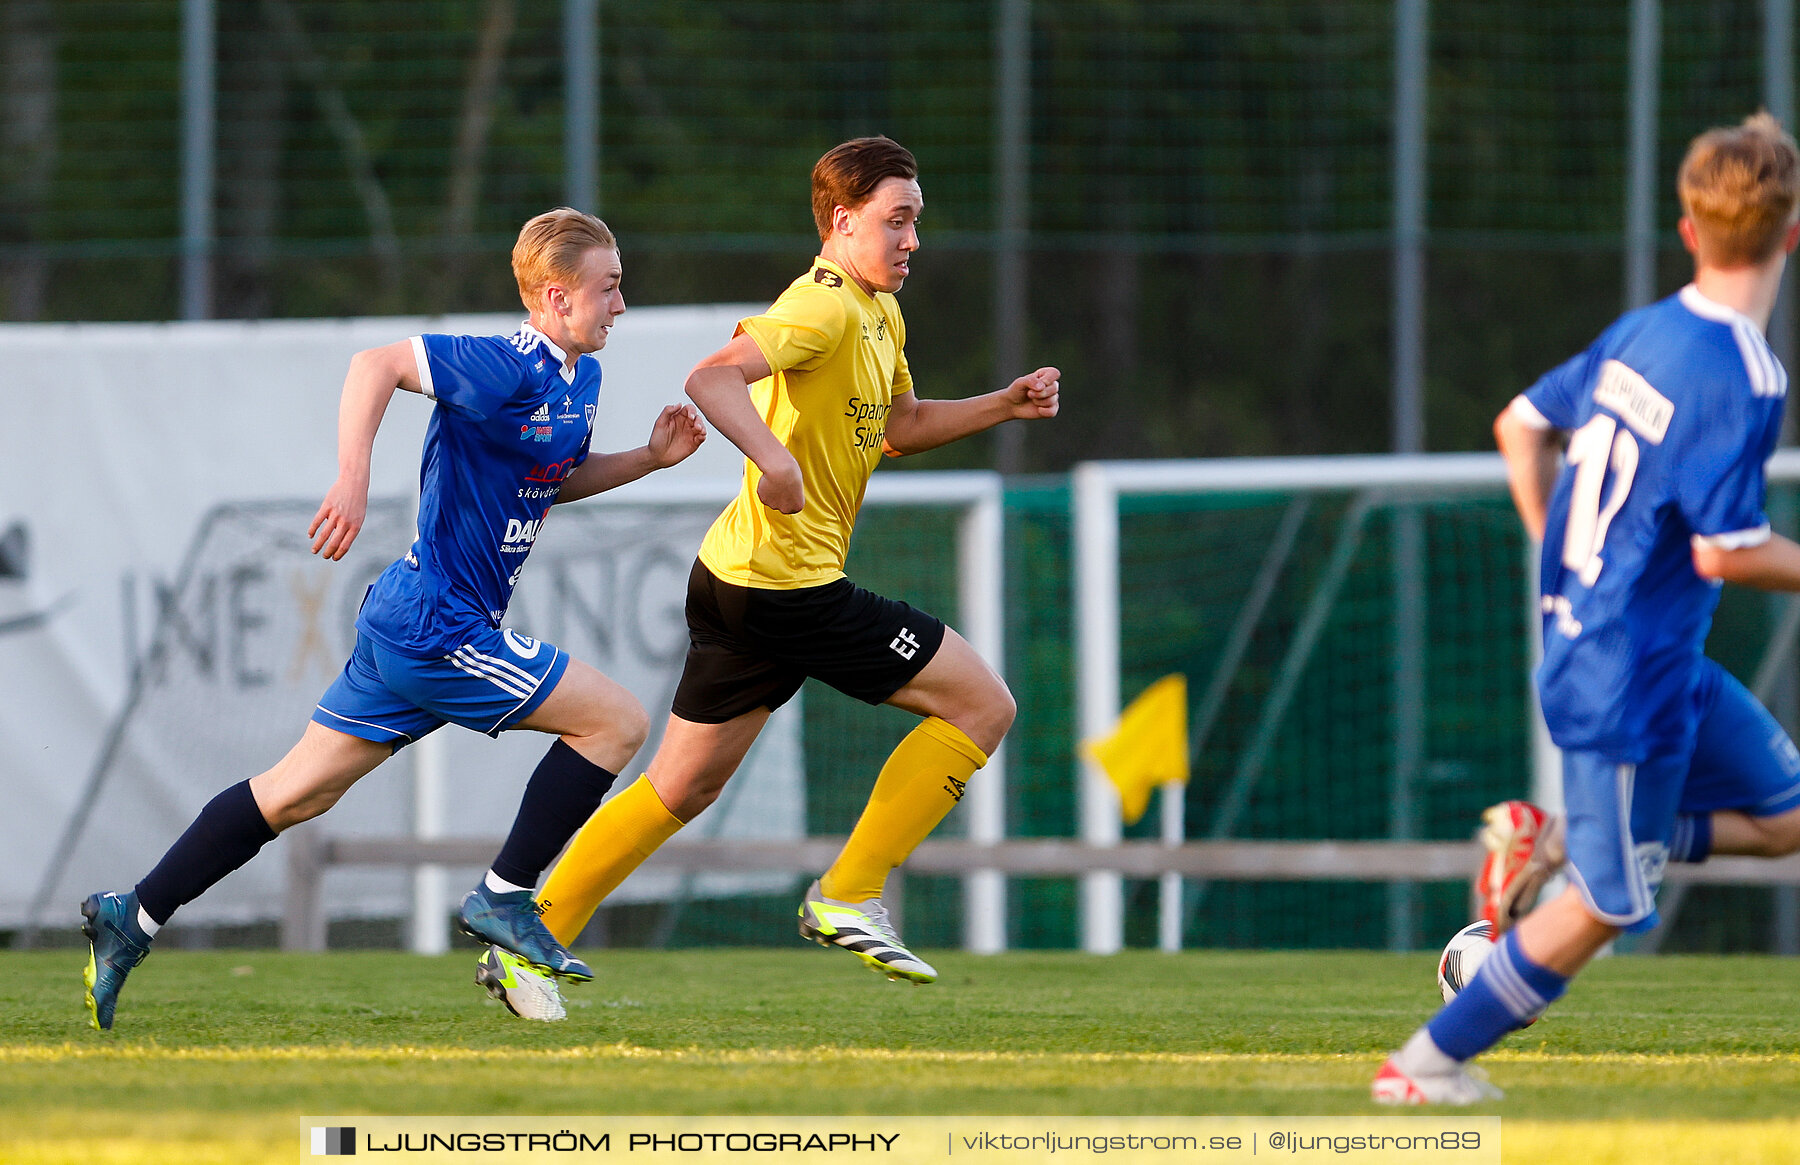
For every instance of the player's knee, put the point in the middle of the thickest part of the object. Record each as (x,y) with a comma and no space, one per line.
(991,717)
(290,810)
(630,724)
(999,710)
(1002,711)
(688,800)
(614,732)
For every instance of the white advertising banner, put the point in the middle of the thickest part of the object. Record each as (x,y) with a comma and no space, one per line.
(164,631)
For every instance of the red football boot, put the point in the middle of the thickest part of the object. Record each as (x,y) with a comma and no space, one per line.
(1525,850)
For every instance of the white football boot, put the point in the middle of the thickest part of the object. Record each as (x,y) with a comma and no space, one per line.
(863,929)
(1461,1084)
(527,992)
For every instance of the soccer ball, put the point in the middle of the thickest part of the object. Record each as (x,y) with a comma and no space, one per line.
(1463,957)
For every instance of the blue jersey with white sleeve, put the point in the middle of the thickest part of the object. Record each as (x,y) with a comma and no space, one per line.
(510,424)
(1673,413)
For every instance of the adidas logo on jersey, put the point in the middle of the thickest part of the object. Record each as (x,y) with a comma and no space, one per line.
(542,416)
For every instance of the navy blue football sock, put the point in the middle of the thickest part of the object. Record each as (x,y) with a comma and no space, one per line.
(562,794)
(1506,994)
(227,834)
(1692,839)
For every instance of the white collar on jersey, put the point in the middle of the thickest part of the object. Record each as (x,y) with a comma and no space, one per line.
(1710,309)
(563,367)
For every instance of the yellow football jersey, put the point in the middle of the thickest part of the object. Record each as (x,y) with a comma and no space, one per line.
(839,360)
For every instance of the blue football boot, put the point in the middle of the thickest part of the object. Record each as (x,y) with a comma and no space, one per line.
(116,944)
(510,921)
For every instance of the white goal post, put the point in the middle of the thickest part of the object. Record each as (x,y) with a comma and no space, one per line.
(1095,502)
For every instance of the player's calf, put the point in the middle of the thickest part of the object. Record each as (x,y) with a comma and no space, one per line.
(1735,832)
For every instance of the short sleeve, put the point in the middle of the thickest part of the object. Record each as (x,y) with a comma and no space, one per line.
(1723,485)
(1556,397)
(902,375)
(903,381)
(800,330)
(471,375)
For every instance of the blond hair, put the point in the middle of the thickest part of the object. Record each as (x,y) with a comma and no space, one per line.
(551,246)
(1740,186)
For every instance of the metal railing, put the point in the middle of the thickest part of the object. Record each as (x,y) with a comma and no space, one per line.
(310,853)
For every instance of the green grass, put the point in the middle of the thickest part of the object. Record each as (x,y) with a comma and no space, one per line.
(237,1044)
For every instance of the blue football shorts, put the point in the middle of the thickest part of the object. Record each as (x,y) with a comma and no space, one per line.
(488,684)
(1621,816)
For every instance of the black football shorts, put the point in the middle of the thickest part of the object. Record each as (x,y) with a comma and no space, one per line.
(750,648)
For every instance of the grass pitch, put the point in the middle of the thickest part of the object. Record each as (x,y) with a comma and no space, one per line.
(216,1054)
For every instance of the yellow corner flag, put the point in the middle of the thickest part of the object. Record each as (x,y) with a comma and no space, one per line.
(1149,747)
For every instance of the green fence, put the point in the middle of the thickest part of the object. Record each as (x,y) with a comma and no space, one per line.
(1204,196)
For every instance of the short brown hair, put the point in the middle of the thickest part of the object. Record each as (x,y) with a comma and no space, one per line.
(1740,185)
(550,248)
(849,173)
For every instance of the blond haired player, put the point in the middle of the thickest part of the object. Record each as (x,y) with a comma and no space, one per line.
(1671,415)
(509,438)
(813,391)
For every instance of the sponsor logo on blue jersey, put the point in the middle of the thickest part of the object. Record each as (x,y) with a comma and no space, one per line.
(555,471)
(519,536)
(484,497)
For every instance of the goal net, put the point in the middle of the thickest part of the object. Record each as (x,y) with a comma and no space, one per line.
(1357,635)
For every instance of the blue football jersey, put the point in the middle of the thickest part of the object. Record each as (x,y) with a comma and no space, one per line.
(1672,414)
(509,426)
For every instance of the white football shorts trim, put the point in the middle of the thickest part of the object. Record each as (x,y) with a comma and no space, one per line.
(506,683)
(503,666)
(407,736)
(555,654)
(1642,897)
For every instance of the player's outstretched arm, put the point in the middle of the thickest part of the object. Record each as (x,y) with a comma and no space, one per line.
(1773,565)
(374,375)
(916,425)
(1532,460)
(677,433)
(720,385)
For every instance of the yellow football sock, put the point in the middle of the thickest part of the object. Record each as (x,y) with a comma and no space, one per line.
(921,782)
(614,842)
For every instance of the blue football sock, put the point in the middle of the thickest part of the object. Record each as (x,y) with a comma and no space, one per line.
(227,834)
(562,794)
(1692,838)
(1506,994)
